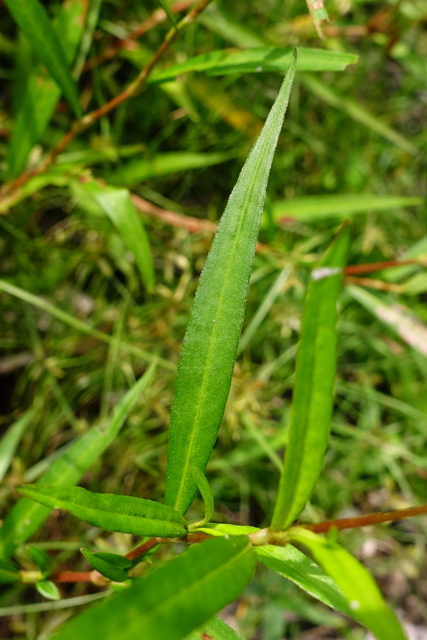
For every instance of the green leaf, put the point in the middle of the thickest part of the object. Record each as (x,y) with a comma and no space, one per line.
(8,573)
(404,322)
(110,565)
(48,589)
(356,583)
(211,341)
(292,564)
(41,92)
(174,599)
(32,18)
(206,493)
(312,400)
(162,164)
(215,629)
(257,60)
(10,441)
(27,516)
(337,206)
(109,511)
(116,203)
(42,559)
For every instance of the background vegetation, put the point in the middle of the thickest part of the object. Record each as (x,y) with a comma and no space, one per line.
(356,135)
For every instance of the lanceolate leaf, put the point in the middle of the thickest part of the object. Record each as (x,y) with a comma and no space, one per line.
(174,599)
(292,564)
(211,340)
(32,18)
(356,583)
(109,511)
(110,565)
(257,60)
(314,387)
(27,516)
(116,203)
(42,93)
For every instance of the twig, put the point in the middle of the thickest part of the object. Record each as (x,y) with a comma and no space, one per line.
(365,521)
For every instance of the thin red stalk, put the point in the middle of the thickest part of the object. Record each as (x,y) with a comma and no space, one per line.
(365,521)
(73,576)
(377,266)
(374,284)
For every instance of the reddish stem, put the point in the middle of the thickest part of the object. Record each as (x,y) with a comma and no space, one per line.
(365,521)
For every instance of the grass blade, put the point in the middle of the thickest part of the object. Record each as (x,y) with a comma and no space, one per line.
(210,345)
(355,582)
(356,111)
(314,386)
(27,516)
(338,207)
(125,514)
(34,22)
(42,93)
(404,322)
(257,60)
(174,599)
(10,441)
(162,164)
(118,206)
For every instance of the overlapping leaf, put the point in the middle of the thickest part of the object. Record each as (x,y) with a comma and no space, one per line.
(314,386)
(356,583)
(174,599)
(257,60)
(211,340)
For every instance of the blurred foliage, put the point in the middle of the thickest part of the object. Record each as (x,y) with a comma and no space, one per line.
(55,246)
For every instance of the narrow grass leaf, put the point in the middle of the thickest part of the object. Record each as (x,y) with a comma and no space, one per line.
(27,516)
(294,565)
(356,583)
(32,18)
(110,565)
(312,400)
(41,92)
(116,203)
(174,599)
(125,514)
(211,341)
(399,318)
(337,207)
(214,629)
(10,441)
(162,164)
(263,59)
